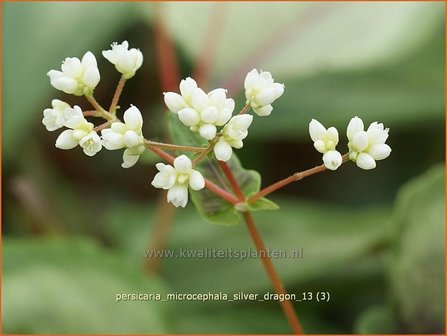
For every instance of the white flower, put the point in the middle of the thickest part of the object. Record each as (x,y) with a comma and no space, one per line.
(232,135)
(80,133)
(366,147)
(176,180)
(126,135)
(261,91)
(325,141)
(126,61)
(199,111)
(332,159)
(55,118)
(77,77)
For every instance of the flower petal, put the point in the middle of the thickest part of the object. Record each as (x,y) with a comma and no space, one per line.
(332,160)
(316,130)
(66,140)
(222,150)
(133,118)
(182,164)
(196,180)
(354,126)
(178,196)
(174,101)
(129,159)
(365,161)
(379,151)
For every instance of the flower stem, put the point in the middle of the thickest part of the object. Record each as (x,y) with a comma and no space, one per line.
(104,125)
(293,178)
(231,178)
(286,305)
(116,96)
(221,192)
(174,147)
(91,113)
(245,109)
(203,154)
(99,108)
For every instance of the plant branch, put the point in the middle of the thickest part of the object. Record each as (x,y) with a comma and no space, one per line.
(231,178)
(102,126)
(174,147)
(116,96)
(106,115)
(245,109)
(293,178)
(203,154)
(286,305)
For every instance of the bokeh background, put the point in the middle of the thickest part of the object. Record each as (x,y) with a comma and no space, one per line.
(75,228)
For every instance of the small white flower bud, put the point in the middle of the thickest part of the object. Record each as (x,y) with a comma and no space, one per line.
(126,61)
(332,159)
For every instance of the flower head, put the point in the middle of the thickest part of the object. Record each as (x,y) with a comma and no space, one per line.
(126,61)
(199,111)
(366,147)
(176,180)
(325,141)
(232,135)
(55,117)
(80,133)
(78,77)
(126,135)
(261,91)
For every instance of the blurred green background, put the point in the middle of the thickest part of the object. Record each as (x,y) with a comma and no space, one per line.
(75,228)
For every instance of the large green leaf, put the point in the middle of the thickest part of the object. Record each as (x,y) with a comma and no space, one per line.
(417,268)
(36,38)
(61,286)
(300,38)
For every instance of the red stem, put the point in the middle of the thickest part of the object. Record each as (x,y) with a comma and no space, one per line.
(286,305)
(230,176)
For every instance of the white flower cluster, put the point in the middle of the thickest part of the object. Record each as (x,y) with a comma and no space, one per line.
(80,77)
(365,147)
(177,178)
(208,114)
(203,113)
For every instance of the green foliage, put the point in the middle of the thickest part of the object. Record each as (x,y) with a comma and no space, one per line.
(417,267)
(377,320)
(63,286)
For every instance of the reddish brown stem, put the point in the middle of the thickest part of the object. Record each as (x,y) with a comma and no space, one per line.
(293,178)
(102,126)
(245,109)
(286,305)
(231,178)
(221,192)
(116,96)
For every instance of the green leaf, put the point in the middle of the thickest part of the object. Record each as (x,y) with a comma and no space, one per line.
(260,204)
(212,207)
(417,267)
(62,286)
(299,38)
(377,320)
